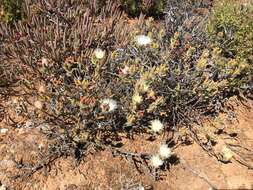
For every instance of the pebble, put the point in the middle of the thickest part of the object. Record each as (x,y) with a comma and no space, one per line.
(226,155)
(38,104)
(3,131)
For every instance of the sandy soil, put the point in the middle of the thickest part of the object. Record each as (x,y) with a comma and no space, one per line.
(194,168)
(191,169)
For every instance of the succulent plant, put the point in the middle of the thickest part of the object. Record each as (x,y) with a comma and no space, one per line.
(103,79)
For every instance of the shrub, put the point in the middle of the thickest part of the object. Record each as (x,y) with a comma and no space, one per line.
(91,80)
(12,10)
(157,80)
(230,28)
(149,7)
(186,16)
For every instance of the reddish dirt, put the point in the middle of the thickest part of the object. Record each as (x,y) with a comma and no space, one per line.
(103,171)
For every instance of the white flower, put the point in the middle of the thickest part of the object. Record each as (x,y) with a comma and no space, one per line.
(156,125)
(143,40)
(156,161)
(164,151)
(38,104)
(3,187)
(108,105)
(44,61)
(137,99)
(99,53)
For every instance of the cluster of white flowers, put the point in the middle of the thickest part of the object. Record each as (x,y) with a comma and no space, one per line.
(156,126)
(163,154)
(99,53)
(108,105)
(143,40)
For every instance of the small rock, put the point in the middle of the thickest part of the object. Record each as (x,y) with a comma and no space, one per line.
(38,104)
(3,131)
(226,155)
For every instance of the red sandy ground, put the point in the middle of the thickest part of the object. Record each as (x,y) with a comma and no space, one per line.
(102,171)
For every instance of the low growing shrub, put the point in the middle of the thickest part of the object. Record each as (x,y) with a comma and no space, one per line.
(230,28)
(91,80)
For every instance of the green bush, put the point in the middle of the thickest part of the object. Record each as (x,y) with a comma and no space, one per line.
(230,31)
(149,75)
(12,10)
(230,28)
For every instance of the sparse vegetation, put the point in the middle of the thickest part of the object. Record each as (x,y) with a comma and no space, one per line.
(230,28)
(230,33)
(90,80)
